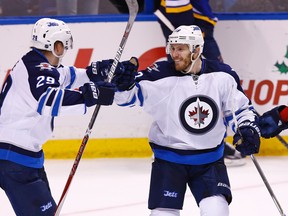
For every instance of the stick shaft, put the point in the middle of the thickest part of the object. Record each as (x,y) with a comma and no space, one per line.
(133,10)
(164,19)
(280,138)
(267,185)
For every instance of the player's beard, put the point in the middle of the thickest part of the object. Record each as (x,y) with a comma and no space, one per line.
(182,64)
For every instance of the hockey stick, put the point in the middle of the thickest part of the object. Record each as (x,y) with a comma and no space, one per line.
(258,167)
(280,138)
(261,173)
(267,185)
(164,19)
(133,10)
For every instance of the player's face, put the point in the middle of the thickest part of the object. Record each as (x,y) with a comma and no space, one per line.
(181,55)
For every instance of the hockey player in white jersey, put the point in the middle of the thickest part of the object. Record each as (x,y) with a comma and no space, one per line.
(37,89)
(191,100)
(195,12)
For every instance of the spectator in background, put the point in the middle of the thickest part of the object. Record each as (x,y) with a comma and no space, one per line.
(74,7)
(122,6)
(51,7)
(19,7)
(47,7)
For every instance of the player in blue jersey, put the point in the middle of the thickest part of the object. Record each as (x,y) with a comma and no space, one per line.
(37,89)
(191,100)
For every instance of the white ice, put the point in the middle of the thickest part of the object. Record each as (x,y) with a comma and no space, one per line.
(119,187)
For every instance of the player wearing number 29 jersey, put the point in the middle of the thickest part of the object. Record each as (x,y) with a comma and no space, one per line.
(34,93)
(37,89)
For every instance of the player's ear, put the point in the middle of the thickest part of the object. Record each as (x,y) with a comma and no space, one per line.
(196,52)
(197,49)
(58,48)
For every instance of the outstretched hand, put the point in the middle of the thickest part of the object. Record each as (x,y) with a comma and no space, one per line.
(98,71)
(101,93)
(125,72)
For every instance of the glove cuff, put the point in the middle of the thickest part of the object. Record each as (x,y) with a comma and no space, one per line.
(252,125)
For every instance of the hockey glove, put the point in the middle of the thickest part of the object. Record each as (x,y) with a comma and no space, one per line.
(271,124)
(101,93)
(124,78)
(247,138)
(99,70)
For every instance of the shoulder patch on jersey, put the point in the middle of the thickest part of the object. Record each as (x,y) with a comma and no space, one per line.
(153,67)
(45,66)
(198,114)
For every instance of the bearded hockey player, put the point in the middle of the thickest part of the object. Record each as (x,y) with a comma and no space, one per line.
(192,100)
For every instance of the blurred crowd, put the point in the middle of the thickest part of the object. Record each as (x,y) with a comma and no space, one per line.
(81,7)
(55,7)
(249,6)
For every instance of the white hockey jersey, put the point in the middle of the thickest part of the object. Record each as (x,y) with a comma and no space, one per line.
(33,93)
(190,112)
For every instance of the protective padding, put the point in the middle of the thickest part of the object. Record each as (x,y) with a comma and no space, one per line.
(165,212)
(214,206)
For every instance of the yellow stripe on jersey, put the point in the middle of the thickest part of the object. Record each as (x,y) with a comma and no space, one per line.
(205,18)
(174,3)
(176,6)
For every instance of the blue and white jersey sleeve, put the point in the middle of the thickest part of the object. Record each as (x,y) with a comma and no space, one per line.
(237,108)
(72,77)
(53,99)
(33,93)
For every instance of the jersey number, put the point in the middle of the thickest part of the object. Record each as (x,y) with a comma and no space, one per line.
(44,80)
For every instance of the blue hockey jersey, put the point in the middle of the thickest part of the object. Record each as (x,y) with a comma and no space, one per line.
(185,10)
(190,112)
(33,93)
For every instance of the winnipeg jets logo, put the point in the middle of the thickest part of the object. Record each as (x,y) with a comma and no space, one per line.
(45,66)
(198,114)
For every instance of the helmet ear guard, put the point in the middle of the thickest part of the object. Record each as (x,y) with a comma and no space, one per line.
(190,35)
(47,31)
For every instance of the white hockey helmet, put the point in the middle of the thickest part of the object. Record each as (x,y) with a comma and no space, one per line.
(190,35)
(47,31)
